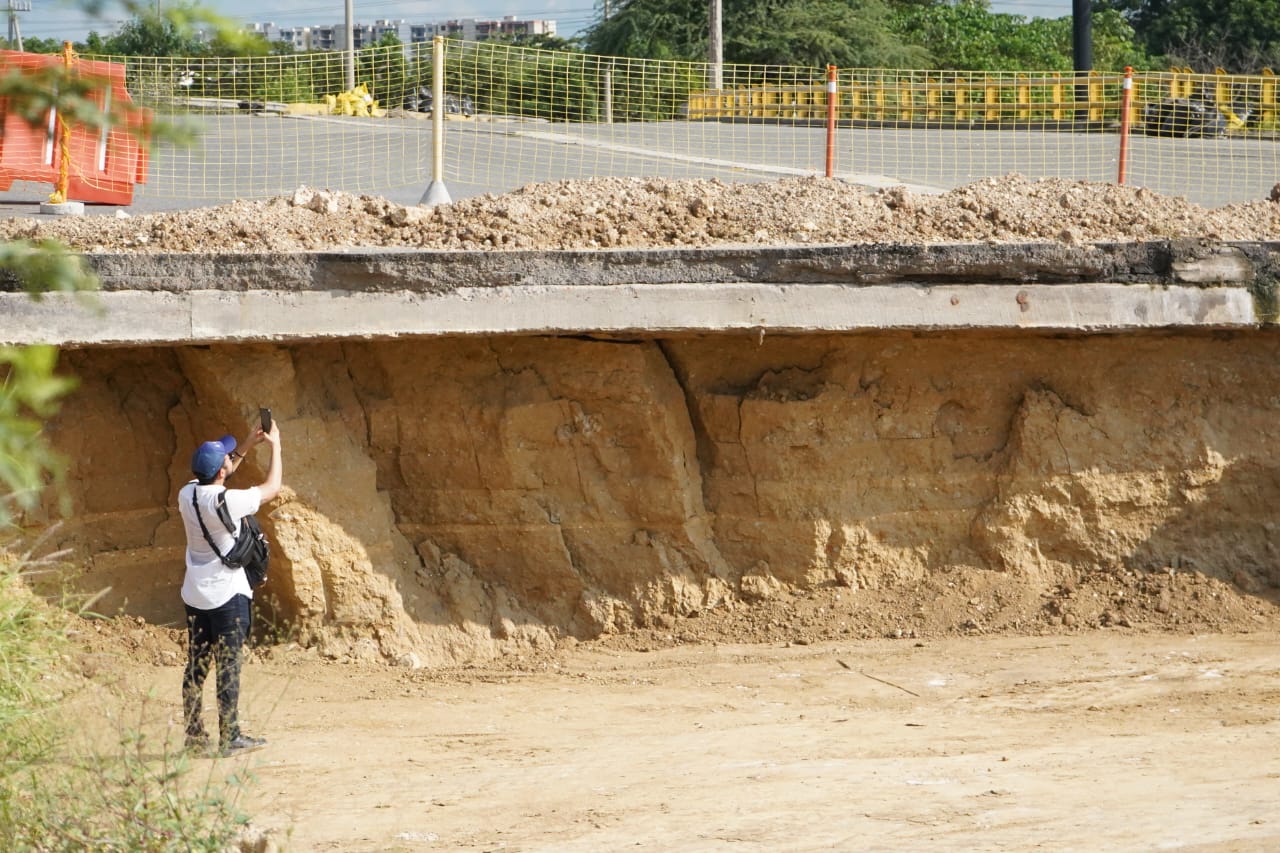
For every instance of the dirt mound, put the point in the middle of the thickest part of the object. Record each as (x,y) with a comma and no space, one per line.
(100,643)
(956,604)
(611,213)
(967,603)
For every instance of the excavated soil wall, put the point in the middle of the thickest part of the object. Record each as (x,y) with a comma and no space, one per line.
(453,499)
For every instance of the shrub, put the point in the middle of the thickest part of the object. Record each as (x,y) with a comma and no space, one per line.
(68,786)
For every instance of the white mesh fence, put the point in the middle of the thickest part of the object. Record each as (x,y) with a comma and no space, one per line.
(514,115)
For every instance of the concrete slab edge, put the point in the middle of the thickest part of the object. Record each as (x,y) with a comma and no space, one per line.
(365,270)
(208,316)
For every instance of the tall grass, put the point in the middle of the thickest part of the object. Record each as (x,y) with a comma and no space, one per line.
(63,788)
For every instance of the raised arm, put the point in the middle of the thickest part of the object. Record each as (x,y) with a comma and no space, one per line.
(275,473)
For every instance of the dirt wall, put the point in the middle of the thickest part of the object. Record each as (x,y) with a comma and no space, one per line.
(450,500)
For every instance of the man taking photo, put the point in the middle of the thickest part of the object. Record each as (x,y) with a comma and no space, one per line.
(218,598)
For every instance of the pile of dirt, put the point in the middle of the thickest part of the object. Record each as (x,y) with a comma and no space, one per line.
(614,213)
(100,641)
(962,603)
(973,603)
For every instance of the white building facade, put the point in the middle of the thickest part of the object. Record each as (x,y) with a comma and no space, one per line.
(333,36)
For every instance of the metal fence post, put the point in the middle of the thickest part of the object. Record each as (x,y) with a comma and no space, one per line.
(832,93)
(1126,97)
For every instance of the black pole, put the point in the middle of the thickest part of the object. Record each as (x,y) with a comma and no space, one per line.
(1082,52)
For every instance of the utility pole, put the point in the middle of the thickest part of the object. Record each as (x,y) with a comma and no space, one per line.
(1082,51)
(15,29)
(716,44)
(351,44)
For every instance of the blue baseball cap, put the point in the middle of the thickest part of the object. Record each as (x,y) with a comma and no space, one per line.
(208,458)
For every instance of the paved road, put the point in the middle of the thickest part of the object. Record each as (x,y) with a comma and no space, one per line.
(243,156)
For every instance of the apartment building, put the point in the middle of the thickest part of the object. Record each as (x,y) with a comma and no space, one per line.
(334,36)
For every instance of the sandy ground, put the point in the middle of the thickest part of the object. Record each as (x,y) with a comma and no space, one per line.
(1103,740)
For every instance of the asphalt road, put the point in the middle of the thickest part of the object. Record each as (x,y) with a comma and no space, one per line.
(247,156)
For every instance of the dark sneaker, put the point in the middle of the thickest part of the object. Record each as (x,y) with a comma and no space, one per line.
(197,743)
(242,743)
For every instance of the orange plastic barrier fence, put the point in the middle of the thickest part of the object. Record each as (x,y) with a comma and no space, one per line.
(104,164)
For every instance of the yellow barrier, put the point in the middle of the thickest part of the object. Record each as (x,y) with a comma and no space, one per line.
(961,98)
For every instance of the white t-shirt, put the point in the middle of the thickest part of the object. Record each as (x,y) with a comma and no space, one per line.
(209,583)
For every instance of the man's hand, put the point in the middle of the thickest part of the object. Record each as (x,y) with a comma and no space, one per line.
(258,436)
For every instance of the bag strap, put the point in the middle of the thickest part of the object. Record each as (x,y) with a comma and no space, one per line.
(224,513)
(196,505)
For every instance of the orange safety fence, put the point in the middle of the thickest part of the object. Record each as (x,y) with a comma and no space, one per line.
(83,163)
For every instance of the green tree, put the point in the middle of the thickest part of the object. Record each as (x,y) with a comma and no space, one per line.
(815,33)
(809,33)
(150,34)
(1115,44)
(964,35)
(94,44)
(238,44)
(545,84)
(652,29)
(34,44)
(1242,36)
(385,69)
(969,37)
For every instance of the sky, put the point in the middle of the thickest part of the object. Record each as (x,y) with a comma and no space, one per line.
(66,21)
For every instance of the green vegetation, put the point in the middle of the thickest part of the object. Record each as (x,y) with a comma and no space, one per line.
(70,780)
(968,37)
(810,33)
(935,34)
(59,792)
(175,31)
(384,68)
(150,34)
(29,393)
(858,34)
(1242,36)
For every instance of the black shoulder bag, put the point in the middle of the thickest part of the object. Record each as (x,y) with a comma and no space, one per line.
(250,551)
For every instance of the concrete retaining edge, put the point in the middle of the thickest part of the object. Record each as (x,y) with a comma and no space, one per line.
(359,294)
(208,316)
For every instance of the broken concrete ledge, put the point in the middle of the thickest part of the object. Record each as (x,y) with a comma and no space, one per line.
(365,294)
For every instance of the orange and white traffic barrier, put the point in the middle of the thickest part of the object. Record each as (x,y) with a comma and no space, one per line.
(100,165)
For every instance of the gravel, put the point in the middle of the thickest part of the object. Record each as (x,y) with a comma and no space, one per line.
(614,213)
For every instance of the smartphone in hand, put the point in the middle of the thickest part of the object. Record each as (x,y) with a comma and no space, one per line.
(265,414)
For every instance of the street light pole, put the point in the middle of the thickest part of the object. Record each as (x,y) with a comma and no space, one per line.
(716,44)
(351,45)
